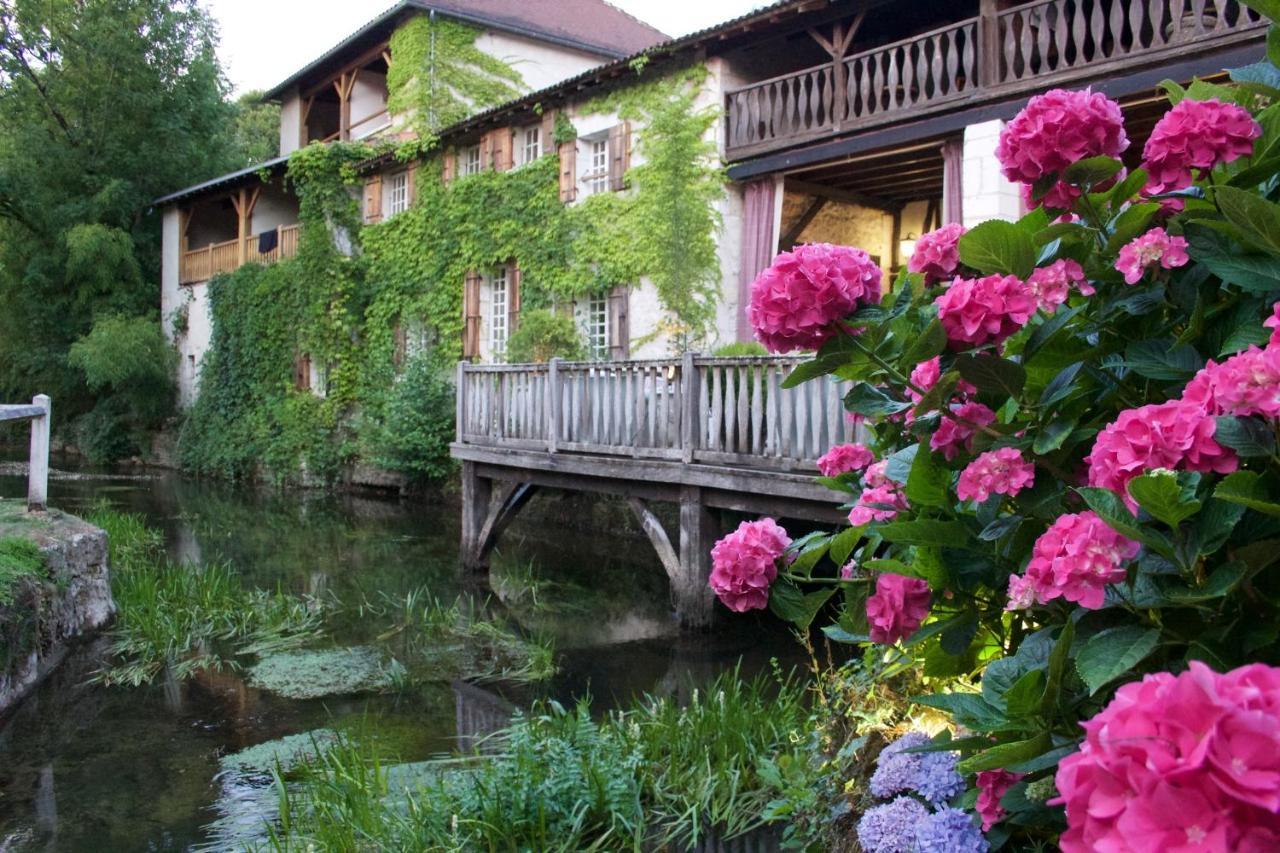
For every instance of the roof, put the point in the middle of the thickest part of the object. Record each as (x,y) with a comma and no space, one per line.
(592,26)
(222,180)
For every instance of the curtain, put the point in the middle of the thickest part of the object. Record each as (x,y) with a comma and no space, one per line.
(952,185)
(757,243)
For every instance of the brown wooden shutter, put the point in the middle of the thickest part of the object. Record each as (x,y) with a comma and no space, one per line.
(373,199)
(548,139)
(619,326)
(513,298)
(619,155)
(568,152)
(471,316)
(503,149)
(411,185)
(449,168)
(401,350)
(302,372)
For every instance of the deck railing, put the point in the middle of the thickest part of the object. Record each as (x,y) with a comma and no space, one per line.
(1031,46)
(204,263)
(692,409)
(39,412)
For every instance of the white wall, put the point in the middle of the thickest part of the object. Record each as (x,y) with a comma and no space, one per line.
(540,64)
(368,98)
(290,123)
(192,344)
(275,207)
(987,193)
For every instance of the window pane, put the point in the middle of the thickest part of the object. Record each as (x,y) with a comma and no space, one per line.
(598,327)
(498,312)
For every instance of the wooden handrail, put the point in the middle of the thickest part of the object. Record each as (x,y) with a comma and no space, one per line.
(202,264)
(40,413)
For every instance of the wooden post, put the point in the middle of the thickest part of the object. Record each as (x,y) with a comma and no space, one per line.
(988,43)
(691,416)
(344,84)
(553,404)
(690,593)
(837,47)
(244,203)
(38,470)
(460,393)
(477,494)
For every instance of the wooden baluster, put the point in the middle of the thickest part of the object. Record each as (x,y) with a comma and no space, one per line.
(773,399)
(1008,40)
(716,433)
(787,425)
(1043,42)
(801,423)
(864,86)
(816,417)
(942,83)
(967,55)
(1137,20)
(744,411)
(1078,31)
(1116,29)
(893,80)
(833,413)
(1061,36)
(757,408)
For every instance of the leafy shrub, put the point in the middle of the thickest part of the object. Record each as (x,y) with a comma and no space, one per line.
(544,335)
(740,349)
(419,421)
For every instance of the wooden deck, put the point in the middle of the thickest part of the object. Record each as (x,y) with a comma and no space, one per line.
(705,433)
(1001,53)
(228,256)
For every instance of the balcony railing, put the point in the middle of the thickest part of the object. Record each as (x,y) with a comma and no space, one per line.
(204,263)
(983,58)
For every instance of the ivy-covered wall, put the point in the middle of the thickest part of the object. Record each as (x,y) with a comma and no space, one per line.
(343,309)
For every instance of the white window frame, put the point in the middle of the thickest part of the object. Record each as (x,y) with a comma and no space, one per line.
(595,179)
(596,328)
(469,161)
(499,281)
(397,193)
(530,144)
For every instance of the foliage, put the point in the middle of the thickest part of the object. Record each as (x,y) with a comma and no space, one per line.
(184,618)
(104,106)
(544,335)
(1022,678)
(418,426)
(740,349)
(438,76)
(256,130)
(130,357)
(20,560)
(560,780)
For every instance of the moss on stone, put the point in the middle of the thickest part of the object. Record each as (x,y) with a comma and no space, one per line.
(314,674)
(286,752)
(20,560)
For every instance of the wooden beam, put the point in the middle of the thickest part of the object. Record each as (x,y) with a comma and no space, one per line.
(895,237)
(788,240)
(657,536)
(841,196)
(356,64)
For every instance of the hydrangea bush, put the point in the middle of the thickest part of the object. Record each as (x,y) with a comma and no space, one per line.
(1065,506)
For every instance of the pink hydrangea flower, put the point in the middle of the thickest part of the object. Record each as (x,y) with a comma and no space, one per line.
(1179,762)
(1075,559)
(927,373)
(1196,135)
(1247,383)
(937,253)
(1057,129)
(1273,323)
(1155,248)
(1051,285)
(897,608)
(744,564)
(844,458)
(992,785)
(954,435)
(875,474)
(1177,434)
(978,311)
(847,570)
(796,302)
(878,503)
(1000,472)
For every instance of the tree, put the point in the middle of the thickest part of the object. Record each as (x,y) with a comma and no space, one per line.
(257,129)
(104,106)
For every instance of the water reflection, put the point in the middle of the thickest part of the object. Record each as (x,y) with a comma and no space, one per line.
(90,768)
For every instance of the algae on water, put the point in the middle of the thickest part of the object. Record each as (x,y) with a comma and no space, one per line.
(314,674)
(284,753)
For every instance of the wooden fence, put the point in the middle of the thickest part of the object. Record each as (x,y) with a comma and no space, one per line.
(228,256)
(39,412)
(992,57)
(692,409)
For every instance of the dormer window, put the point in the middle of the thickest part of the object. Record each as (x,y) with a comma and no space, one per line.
(469,159)
(528,144)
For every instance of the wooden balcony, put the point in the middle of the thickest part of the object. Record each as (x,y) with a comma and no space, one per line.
(992,57)
(204,263)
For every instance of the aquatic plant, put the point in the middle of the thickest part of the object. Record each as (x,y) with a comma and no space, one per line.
(311,674)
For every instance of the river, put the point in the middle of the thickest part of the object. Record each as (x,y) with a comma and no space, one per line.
(90,768)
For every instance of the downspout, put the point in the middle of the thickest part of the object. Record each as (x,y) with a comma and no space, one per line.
(431,62)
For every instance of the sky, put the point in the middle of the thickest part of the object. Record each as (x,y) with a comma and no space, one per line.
(264,41)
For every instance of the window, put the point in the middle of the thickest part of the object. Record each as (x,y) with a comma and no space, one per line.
(598,328)
(469,160)
(529,148)
(398,193)
(597,176)
(498,306)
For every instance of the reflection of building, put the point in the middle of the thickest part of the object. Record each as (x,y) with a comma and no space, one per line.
(853,121)
(480,714)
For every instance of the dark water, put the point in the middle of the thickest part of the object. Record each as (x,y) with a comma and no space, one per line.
(103,769)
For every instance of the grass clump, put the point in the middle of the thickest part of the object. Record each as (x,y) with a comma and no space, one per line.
(185,617)
(656,773)
(20,560)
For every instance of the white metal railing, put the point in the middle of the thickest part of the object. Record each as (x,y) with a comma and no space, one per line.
(691,409)
(39,412)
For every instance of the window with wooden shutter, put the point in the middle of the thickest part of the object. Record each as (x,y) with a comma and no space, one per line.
(373,199)
(619,155)
(471,316)
(513,299)
(302,372)
(548,130)
(503,149)
(412,189)
(568,152)
(619,327)
(449,167)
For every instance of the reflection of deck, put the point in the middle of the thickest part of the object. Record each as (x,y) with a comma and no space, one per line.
(479,714)
(701,432)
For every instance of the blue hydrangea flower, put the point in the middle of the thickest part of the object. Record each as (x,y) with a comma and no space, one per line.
(938,780)
(891,828)
(898,771)
(949,830)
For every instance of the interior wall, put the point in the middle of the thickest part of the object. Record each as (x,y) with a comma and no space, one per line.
(841,223)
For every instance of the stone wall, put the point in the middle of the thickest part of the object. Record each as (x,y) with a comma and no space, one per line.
(70,602)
